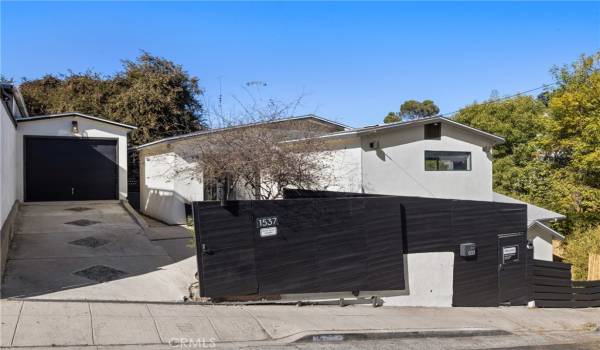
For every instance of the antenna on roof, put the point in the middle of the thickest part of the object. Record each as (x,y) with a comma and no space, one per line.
(256,83)
(221,94)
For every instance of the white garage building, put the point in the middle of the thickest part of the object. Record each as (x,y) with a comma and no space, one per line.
(71,156)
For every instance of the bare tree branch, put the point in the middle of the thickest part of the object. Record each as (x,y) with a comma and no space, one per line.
(253,152)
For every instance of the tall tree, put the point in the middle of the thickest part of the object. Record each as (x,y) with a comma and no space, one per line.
(519,120)
(392,117)
(575,108)
(82,92)
(413,109)
(260,161)
(552,153)
(152,93)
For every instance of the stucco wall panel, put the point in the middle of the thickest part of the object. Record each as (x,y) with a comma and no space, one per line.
(397,166)
(8,163)
(430,277)
(542,243)
(168,180)
(343,170)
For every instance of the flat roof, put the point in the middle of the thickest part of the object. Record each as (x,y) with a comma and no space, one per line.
(76,114)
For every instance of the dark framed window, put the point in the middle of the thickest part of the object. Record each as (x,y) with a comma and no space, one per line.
(433,131)
(447,161)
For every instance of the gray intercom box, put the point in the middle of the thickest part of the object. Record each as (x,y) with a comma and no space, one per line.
(468,249)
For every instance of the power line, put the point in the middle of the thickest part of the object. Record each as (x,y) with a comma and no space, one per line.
(504,98)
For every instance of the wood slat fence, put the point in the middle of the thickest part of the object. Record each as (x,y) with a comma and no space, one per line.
(552,287)
(594,267)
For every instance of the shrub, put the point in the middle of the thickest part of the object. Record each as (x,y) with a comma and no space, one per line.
(578,246)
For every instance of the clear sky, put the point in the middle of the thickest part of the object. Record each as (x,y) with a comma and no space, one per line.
(353,62)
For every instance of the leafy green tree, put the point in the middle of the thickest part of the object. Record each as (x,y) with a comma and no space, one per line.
(152,93)
(392,118)
(413,109)
(83,92)
(552,153)
(519,120)
(574,138)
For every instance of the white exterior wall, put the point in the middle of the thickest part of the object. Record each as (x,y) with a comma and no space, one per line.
(167,182)
(542,243)
(168,179)
(430,281)
(398,166)
(62,127)
(8,164)
(344,174)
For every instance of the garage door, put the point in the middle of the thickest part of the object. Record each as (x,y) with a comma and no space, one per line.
(66,169)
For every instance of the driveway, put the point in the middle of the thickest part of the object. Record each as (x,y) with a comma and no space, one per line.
(94,251)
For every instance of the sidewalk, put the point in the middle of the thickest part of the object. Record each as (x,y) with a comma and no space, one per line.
(55,323)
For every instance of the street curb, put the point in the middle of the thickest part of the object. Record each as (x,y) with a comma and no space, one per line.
(136,216)
(320,337)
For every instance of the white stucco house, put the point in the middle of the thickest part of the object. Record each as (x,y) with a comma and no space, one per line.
(165,186)
(433,157)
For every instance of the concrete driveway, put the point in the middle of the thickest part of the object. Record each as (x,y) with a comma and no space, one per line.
(94,251)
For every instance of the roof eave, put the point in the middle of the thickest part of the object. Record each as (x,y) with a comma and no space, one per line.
(547,228)
(324,120)
(77,114)
(495,139)
(204,132)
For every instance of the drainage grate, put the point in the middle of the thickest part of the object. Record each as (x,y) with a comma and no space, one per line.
(91,242)
(100,273)
(79,209)
(83,222)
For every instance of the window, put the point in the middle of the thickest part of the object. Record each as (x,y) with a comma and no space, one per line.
(433,131)
(210,189)
(447,161)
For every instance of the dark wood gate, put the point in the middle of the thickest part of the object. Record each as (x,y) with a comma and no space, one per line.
(225,249)
(299,246)
(512,269)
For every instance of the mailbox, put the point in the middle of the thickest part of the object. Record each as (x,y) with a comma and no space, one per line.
(468,249)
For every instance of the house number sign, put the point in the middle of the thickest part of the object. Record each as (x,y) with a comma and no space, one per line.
(267,226)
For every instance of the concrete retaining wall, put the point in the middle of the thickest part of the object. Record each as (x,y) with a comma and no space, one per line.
(430,277)
(6,235)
